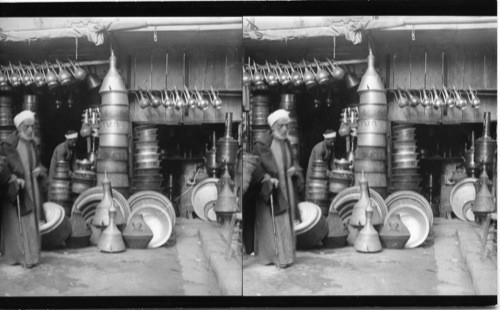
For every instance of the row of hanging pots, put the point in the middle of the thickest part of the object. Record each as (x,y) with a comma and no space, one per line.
(178,99)
(269,75)
(438,99)
(38,76)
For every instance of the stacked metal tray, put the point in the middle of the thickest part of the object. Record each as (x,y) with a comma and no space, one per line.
(147,159)
(405,160)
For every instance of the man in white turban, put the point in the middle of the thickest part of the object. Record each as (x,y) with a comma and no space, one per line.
(65,151)
(278,179)
(21,210)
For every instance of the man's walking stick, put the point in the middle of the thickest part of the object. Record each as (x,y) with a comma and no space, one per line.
(21,229)
(274,231)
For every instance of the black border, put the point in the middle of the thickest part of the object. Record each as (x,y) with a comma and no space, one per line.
(249,8)
(225,302)
(255,8)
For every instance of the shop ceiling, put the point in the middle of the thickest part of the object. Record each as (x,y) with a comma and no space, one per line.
(37,39)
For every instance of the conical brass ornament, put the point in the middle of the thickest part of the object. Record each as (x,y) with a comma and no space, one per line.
(368,240)
(394,234)
(371,80)
(112,81)
(80,231)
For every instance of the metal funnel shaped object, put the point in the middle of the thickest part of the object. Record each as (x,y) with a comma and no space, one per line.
(484,202)
(112,81)
(371,80)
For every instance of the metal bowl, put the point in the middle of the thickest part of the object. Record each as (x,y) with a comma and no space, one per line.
(158,220)
(416,220)
(313,227)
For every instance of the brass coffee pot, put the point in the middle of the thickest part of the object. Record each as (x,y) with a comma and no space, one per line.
(111,240)
(101,217)
(358,217)
(368,240)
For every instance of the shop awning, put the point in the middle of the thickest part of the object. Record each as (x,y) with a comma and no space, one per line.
(352,27)
(31,29)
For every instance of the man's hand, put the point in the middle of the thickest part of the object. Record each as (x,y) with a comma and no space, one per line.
(291,171)
(274,182)
(20,183)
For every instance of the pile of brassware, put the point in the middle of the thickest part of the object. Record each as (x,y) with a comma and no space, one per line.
(301,74)
(359,216)
(101,216)
(472,198)
(37,76)
(178,99)
(214,199)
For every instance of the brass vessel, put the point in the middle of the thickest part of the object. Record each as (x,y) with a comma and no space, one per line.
(111,240)
(368,240)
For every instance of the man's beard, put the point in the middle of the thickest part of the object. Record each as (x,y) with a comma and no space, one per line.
(25,136)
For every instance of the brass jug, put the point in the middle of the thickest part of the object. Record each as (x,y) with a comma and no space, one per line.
(394,234)
(111,240)
(484,202)
(358,217)
(368,240)
(80,231)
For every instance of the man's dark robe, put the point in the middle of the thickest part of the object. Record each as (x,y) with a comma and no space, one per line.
(10,243)
(258,231)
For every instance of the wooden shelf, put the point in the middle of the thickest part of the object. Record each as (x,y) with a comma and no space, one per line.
(184,159)
(441,158)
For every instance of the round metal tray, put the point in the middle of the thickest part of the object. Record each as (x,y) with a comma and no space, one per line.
(461,195)
(89,199)
(409,197)
(204,197)
(347,198)
(152,197)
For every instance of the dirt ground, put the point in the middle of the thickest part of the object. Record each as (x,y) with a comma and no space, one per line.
(179,268)
(436,268)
